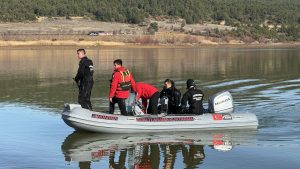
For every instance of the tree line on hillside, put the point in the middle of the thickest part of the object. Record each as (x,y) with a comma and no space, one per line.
(246,15)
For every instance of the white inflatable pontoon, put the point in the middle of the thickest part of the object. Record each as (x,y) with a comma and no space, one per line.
(222,117)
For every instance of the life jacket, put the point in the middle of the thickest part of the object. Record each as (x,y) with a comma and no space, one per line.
(126,83)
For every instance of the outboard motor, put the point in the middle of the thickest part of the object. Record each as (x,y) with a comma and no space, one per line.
(164,104)
(221,102)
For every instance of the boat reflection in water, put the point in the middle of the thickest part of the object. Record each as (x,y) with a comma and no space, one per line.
(148,151)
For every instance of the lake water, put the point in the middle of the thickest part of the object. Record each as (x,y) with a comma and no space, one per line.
(35,82)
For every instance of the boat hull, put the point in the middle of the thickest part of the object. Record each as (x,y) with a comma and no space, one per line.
(83,119)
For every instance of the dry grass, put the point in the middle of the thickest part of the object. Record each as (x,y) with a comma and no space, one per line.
(248,39)
(190,39)
(144,40)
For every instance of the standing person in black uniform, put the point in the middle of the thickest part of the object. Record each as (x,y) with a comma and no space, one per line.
(194,98)
(173,96)
(84,79)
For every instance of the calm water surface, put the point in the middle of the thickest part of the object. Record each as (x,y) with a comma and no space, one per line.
(36,82)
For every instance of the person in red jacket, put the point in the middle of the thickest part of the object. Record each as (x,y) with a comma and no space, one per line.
(145,92)
(121,83)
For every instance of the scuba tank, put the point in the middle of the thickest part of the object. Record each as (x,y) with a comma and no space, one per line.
(129,102)
(132,106)
(164,104)
(138,108)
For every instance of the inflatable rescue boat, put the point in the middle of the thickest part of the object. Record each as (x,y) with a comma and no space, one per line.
(221,116)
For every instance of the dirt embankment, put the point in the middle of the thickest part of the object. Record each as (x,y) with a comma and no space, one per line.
(84,32)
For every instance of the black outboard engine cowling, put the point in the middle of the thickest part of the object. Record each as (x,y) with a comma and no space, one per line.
(221,102)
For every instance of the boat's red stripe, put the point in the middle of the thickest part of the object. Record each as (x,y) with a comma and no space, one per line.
(97,116)
(163,119)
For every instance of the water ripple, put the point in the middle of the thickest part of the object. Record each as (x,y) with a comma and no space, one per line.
(234,82)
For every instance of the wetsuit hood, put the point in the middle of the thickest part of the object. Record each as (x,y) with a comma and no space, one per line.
(190,83)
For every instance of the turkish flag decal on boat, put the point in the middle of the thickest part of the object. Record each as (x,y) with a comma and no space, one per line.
(217,116)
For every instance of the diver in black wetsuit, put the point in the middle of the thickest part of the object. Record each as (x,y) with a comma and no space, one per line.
(173,96)
(84,79)
(194,98)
